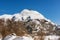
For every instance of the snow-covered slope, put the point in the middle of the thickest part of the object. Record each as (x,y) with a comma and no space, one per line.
(15,37)
(6,16)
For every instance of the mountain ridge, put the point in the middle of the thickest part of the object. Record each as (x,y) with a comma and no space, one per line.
(25,13)
(27,22)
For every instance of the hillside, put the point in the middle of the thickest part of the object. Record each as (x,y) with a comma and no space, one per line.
(28,22)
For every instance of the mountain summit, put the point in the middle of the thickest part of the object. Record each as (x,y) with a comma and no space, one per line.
(28,24)
(33,14)
(24,13)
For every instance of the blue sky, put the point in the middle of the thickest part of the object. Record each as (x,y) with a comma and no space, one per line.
(49,8)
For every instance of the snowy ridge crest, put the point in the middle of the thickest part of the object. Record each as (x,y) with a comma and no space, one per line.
(24,13)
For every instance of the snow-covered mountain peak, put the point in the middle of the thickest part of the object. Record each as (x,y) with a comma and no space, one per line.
(33,14)
(24,14)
